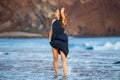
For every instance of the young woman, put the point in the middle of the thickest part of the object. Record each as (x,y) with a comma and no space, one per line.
(59,40)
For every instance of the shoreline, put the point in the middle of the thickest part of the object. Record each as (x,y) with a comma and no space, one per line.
(19,34)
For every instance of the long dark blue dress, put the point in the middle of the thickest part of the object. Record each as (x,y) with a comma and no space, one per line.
(59,39)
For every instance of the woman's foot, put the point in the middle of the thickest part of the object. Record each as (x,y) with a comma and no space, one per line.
(57,74)
(65,75)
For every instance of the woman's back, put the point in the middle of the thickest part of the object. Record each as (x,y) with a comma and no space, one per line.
(56,27)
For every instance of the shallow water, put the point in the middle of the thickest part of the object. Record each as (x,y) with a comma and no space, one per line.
(31,59)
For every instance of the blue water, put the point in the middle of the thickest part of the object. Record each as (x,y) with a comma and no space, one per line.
(111,44)
(32,59)
(76,45)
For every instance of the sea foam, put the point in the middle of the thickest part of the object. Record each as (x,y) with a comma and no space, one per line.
(108,46)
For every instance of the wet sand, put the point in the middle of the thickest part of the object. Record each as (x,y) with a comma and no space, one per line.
(82,65)
(17,34)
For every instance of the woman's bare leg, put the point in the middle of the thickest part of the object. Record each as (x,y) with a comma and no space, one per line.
(55,55)
(64,64)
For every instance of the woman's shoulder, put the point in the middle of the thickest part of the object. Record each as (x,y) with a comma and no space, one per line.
(53,20)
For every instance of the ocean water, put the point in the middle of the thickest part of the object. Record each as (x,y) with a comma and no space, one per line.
(32,59)
(110,44)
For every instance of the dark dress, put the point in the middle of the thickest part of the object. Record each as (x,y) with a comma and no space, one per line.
(59,39)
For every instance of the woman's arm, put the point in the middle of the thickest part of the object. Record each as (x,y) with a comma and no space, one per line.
(50,32)
(63,15)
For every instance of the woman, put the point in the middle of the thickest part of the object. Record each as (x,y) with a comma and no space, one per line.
(59,40)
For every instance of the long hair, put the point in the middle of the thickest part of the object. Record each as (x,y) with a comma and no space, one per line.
(63,22)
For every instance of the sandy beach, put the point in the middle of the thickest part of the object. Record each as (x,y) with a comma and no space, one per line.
(17,34)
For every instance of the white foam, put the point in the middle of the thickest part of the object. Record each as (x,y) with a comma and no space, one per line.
(108,46)
(117,46)
(87,44)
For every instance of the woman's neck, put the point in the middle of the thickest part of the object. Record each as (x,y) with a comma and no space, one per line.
(58,18)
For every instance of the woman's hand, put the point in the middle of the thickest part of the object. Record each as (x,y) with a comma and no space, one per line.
(50,32)
(62,9)
(49,40)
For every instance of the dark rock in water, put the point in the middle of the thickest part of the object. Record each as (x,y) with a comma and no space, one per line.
(118,62)
(6,53)
(89,48)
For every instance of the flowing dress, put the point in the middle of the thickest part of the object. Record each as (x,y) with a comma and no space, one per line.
(59,39)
